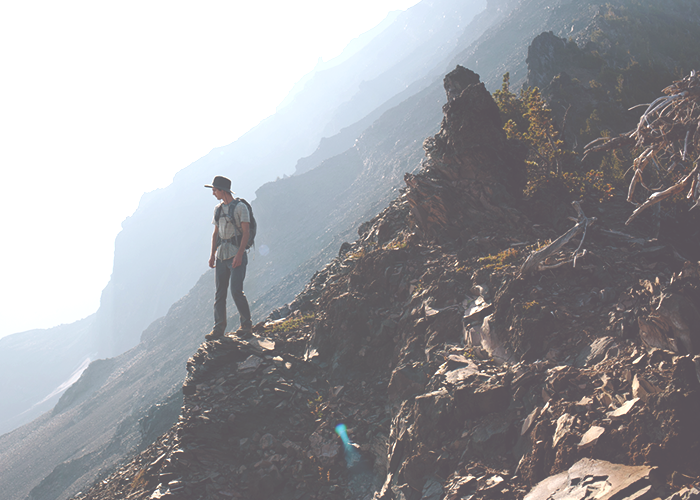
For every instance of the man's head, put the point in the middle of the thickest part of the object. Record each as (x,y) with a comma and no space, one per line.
(221,185)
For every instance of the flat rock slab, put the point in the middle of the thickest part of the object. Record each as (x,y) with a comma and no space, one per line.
(595,352)
(590,479)
(476,310)
(531,418)
(624,409)
(251,363)
(462,374)
(591,437)
(564,425)
(263,344)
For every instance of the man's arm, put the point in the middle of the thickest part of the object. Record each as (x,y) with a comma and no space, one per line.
(214,240)
(245,234)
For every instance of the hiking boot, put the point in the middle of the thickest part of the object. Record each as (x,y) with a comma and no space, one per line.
(212,335)
(244,332)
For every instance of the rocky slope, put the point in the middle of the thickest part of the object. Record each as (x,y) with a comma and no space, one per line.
(457,215)
(118,407)
(422,364)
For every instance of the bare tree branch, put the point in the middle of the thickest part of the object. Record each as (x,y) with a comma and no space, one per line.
(667,132)
(535,262)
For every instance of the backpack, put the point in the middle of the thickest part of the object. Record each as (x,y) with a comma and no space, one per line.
(253,226)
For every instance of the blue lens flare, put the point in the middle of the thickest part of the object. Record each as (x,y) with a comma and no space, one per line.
(342,431)
(352,456)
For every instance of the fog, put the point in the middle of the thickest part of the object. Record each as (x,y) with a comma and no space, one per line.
(102,103)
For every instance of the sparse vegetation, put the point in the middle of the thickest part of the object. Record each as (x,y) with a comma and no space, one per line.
(139,480)
(397,244)
(363,251)
(666,144)
(501,260)
(463,269)
(357,255)
(417,288)
(551,166)
(291,324)
(538,246)
(316,406)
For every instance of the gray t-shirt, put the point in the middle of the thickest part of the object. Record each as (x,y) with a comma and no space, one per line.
(229,232)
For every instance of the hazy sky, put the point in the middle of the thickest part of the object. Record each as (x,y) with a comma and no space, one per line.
(103,101)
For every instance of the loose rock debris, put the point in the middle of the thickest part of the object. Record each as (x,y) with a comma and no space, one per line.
(454,376)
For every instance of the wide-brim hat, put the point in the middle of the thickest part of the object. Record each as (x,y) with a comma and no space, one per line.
(220,182)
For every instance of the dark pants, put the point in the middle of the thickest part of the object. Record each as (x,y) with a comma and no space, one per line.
(224,274)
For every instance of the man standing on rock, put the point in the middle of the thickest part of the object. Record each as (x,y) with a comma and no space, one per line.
(228,257)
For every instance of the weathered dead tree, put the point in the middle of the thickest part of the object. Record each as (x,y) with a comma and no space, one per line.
(538,261)
(668,136)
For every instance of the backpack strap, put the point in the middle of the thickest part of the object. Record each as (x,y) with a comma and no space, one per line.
(239,230)
(236,240)
(220,210)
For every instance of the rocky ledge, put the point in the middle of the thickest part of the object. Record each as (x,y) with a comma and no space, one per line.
(422,364)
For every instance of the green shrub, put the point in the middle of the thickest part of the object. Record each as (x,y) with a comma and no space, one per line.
(501,260)
(291,324)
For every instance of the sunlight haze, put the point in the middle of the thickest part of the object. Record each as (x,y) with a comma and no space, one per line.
(102,102)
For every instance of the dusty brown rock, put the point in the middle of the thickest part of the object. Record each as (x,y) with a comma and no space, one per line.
(597,479)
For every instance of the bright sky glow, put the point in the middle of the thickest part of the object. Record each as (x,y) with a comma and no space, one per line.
(103,101)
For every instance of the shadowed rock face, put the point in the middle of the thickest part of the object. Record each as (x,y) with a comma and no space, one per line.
(470,162)
(378,341)
(547,56)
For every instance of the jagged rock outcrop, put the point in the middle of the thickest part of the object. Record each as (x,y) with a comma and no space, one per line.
(547,56)
(471,173)
(370,385)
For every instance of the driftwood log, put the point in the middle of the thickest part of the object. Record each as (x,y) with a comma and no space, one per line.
(668,138)
(536,261)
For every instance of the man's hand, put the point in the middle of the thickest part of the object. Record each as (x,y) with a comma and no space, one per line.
(237,260)
(214,244)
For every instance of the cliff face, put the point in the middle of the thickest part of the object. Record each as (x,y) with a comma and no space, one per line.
(421,364)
